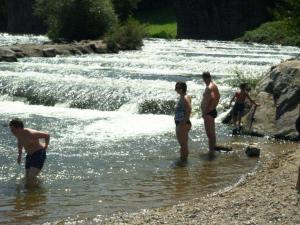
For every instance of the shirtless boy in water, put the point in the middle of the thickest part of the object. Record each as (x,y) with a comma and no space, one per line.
(239,98)
(35,151)
(210,100)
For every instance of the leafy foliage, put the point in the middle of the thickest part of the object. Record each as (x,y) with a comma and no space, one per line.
(289,10)
(245,77)
(279,32)
(128,36)
(76,19)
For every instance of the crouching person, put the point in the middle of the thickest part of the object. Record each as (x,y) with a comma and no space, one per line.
(29,139)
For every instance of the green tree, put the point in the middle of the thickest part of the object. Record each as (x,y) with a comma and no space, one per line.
(76,19)
(289,10)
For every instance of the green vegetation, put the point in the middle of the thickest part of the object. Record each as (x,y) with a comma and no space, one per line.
(159,23)
(245,77)
(76,19)
(284,30)
(128,36)
(92,19)
(277,32)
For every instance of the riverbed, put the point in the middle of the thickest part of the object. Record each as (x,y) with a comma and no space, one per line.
(110,117)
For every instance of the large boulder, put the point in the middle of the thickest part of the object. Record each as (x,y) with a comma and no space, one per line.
(279,95)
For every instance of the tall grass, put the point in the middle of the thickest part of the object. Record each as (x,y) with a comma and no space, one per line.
(245,77)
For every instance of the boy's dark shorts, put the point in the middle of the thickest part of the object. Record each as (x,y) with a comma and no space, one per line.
(36,159)
(213,113)
(238,108)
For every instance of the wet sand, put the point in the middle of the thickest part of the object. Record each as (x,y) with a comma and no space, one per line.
(266,197)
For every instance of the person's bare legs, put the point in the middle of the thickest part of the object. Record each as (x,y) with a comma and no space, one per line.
(234,118)
(209,124)
(31,176)
(239,120)
(182,132)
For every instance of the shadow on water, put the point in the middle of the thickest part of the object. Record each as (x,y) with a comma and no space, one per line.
(22,203)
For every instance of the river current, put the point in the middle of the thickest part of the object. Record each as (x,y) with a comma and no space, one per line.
(112,132)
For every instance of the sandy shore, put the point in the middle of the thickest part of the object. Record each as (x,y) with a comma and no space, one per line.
(268,197)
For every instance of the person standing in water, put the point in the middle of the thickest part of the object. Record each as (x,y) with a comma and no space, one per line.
(29,139)
(237,112)
(182,119)
(210,100)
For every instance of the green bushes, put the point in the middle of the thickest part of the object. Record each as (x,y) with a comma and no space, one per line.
(284,30)
(289,10)
(127,36)
(277,32)
(76,19)
(244,77)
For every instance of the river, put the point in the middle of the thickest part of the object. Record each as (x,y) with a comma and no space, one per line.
(110,117)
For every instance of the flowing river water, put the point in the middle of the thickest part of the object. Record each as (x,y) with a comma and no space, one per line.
(112,132)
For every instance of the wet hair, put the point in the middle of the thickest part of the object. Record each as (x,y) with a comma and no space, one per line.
(17,123)
(182,85)
(206,75)
(244,86)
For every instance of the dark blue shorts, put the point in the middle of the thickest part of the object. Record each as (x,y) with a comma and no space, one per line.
(213,113)
(187,122)
(238,108)
(36,159)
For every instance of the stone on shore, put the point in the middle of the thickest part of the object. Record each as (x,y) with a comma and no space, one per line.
(11,53)
(279,96)
(7,55)
(252,151)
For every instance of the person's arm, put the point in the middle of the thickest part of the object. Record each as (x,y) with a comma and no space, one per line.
(252,101)
(207,98)
(20,148)
(42,135)
(187,107)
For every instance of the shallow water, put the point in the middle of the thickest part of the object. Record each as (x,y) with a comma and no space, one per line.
(112,132)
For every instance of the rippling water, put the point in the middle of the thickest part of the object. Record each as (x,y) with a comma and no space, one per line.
(112,132)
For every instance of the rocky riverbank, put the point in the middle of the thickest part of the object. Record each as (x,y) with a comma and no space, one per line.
(13,52)
(268,197)
(278,94)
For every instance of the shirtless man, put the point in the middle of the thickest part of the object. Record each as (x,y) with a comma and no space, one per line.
(29,139)
(210,100)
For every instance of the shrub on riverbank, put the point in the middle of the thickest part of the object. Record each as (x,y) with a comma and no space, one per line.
(277,32)
(76,19)
(284,30)
(245,77)
(128,36)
